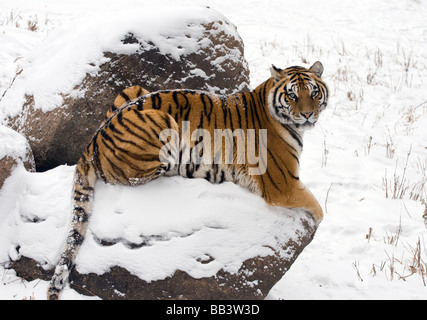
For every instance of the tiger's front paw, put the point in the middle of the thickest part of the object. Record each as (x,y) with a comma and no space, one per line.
(317,214)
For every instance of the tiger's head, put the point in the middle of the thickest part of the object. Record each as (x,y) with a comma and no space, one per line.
(298,95)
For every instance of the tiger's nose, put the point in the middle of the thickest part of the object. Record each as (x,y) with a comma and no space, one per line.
(307,115)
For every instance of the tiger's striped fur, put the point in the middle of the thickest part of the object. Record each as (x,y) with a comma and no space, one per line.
(126,96)
(126,148)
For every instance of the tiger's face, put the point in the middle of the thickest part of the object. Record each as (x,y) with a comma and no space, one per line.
(298,95)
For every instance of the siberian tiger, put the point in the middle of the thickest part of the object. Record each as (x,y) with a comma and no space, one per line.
(127,148)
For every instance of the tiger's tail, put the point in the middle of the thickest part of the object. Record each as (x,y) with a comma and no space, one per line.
(84,182)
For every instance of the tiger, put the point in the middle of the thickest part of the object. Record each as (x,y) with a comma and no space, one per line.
(131,147)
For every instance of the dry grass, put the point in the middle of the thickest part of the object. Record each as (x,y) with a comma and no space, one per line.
(413,260)
(416,263)
(16,19)
(9,278)
(399,185)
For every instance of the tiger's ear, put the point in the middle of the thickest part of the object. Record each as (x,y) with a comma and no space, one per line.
(276,73)
(317,68)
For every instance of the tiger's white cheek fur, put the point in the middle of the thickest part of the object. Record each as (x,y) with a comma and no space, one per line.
(281,114)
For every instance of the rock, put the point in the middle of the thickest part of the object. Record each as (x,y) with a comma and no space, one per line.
(190,254)
(203,53)
(253,281)
(14,149)
(205,242)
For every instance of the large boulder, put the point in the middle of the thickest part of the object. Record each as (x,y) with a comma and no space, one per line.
(72,78)
(205,242)
(253,281)
(14,150)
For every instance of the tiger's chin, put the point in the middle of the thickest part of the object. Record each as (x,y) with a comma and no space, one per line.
(305,126)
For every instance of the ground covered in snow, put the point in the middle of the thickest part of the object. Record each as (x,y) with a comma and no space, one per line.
(365,161)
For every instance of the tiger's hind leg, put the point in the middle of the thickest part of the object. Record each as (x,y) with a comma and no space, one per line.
(135,147)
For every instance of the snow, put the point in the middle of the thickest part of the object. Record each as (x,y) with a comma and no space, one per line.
(12,144)
(365,161)
(232,227)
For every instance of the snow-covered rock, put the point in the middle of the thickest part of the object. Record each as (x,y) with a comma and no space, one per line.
(172,238)
(14,150)
(71,79)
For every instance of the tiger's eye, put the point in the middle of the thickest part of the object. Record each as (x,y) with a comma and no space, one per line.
(292,96)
